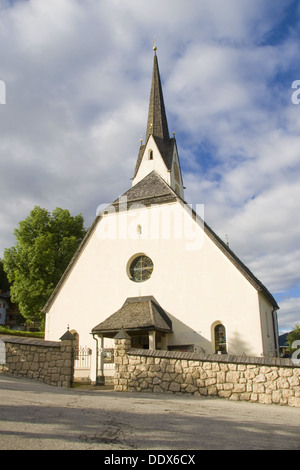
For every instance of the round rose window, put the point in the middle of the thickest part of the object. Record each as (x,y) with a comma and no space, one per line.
(141,268)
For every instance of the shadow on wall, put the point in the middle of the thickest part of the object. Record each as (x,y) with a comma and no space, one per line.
(185,335)
(238,346)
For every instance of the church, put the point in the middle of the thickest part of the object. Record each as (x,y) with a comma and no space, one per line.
(151,266)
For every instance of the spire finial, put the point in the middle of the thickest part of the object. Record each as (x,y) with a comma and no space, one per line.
(154,45)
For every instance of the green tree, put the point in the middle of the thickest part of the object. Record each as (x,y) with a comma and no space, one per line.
(45,245)
(4,284)
(293,336)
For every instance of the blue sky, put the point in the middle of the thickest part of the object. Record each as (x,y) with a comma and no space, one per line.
(77,76)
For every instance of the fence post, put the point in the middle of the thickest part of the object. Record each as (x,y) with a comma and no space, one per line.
(67,353)
(122,345)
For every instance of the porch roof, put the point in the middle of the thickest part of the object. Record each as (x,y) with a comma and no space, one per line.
(136,314)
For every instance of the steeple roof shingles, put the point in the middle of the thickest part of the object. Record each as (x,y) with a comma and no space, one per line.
(157,124)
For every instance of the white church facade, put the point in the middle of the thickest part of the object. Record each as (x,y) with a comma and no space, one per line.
(151,266)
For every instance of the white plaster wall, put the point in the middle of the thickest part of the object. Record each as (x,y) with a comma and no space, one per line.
(192,280)
(157,164)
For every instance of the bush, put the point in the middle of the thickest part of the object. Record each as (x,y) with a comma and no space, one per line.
(32,334)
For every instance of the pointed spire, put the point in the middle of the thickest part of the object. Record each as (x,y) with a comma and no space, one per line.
(157,119)
(159,151)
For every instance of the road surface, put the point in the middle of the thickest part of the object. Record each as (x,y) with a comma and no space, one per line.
(36,416)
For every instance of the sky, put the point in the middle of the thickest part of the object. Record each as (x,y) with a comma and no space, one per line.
(75,80)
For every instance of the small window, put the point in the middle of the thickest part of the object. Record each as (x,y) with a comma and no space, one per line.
(150,154)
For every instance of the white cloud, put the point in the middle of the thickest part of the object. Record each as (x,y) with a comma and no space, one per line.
(77,77)
(290,316)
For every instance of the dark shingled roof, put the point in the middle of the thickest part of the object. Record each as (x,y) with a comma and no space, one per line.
(150,190)
(137,313)
(67,336)
(157,119)
(122,335)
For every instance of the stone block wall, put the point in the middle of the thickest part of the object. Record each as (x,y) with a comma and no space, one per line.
(50,362)
(273,381)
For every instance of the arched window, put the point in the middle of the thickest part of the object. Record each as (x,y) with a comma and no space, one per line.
(150,154)
(220,339)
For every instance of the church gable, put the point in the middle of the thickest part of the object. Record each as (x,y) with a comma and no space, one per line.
(153,191)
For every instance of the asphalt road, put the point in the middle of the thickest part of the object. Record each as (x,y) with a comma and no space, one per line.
(35,416)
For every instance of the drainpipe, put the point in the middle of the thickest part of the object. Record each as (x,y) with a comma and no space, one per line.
(275,330)
(94,363)
(100,375)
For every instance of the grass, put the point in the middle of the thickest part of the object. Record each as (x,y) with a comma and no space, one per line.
(32,334)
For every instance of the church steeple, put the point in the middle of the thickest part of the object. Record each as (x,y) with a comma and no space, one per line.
(159,153)
(157,124)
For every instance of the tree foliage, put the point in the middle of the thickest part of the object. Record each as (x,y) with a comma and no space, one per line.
(45,245)
(4,284)
(292,337)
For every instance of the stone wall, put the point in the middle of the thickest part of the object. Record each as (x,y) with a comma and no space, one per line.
(50,362)
(269,381)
